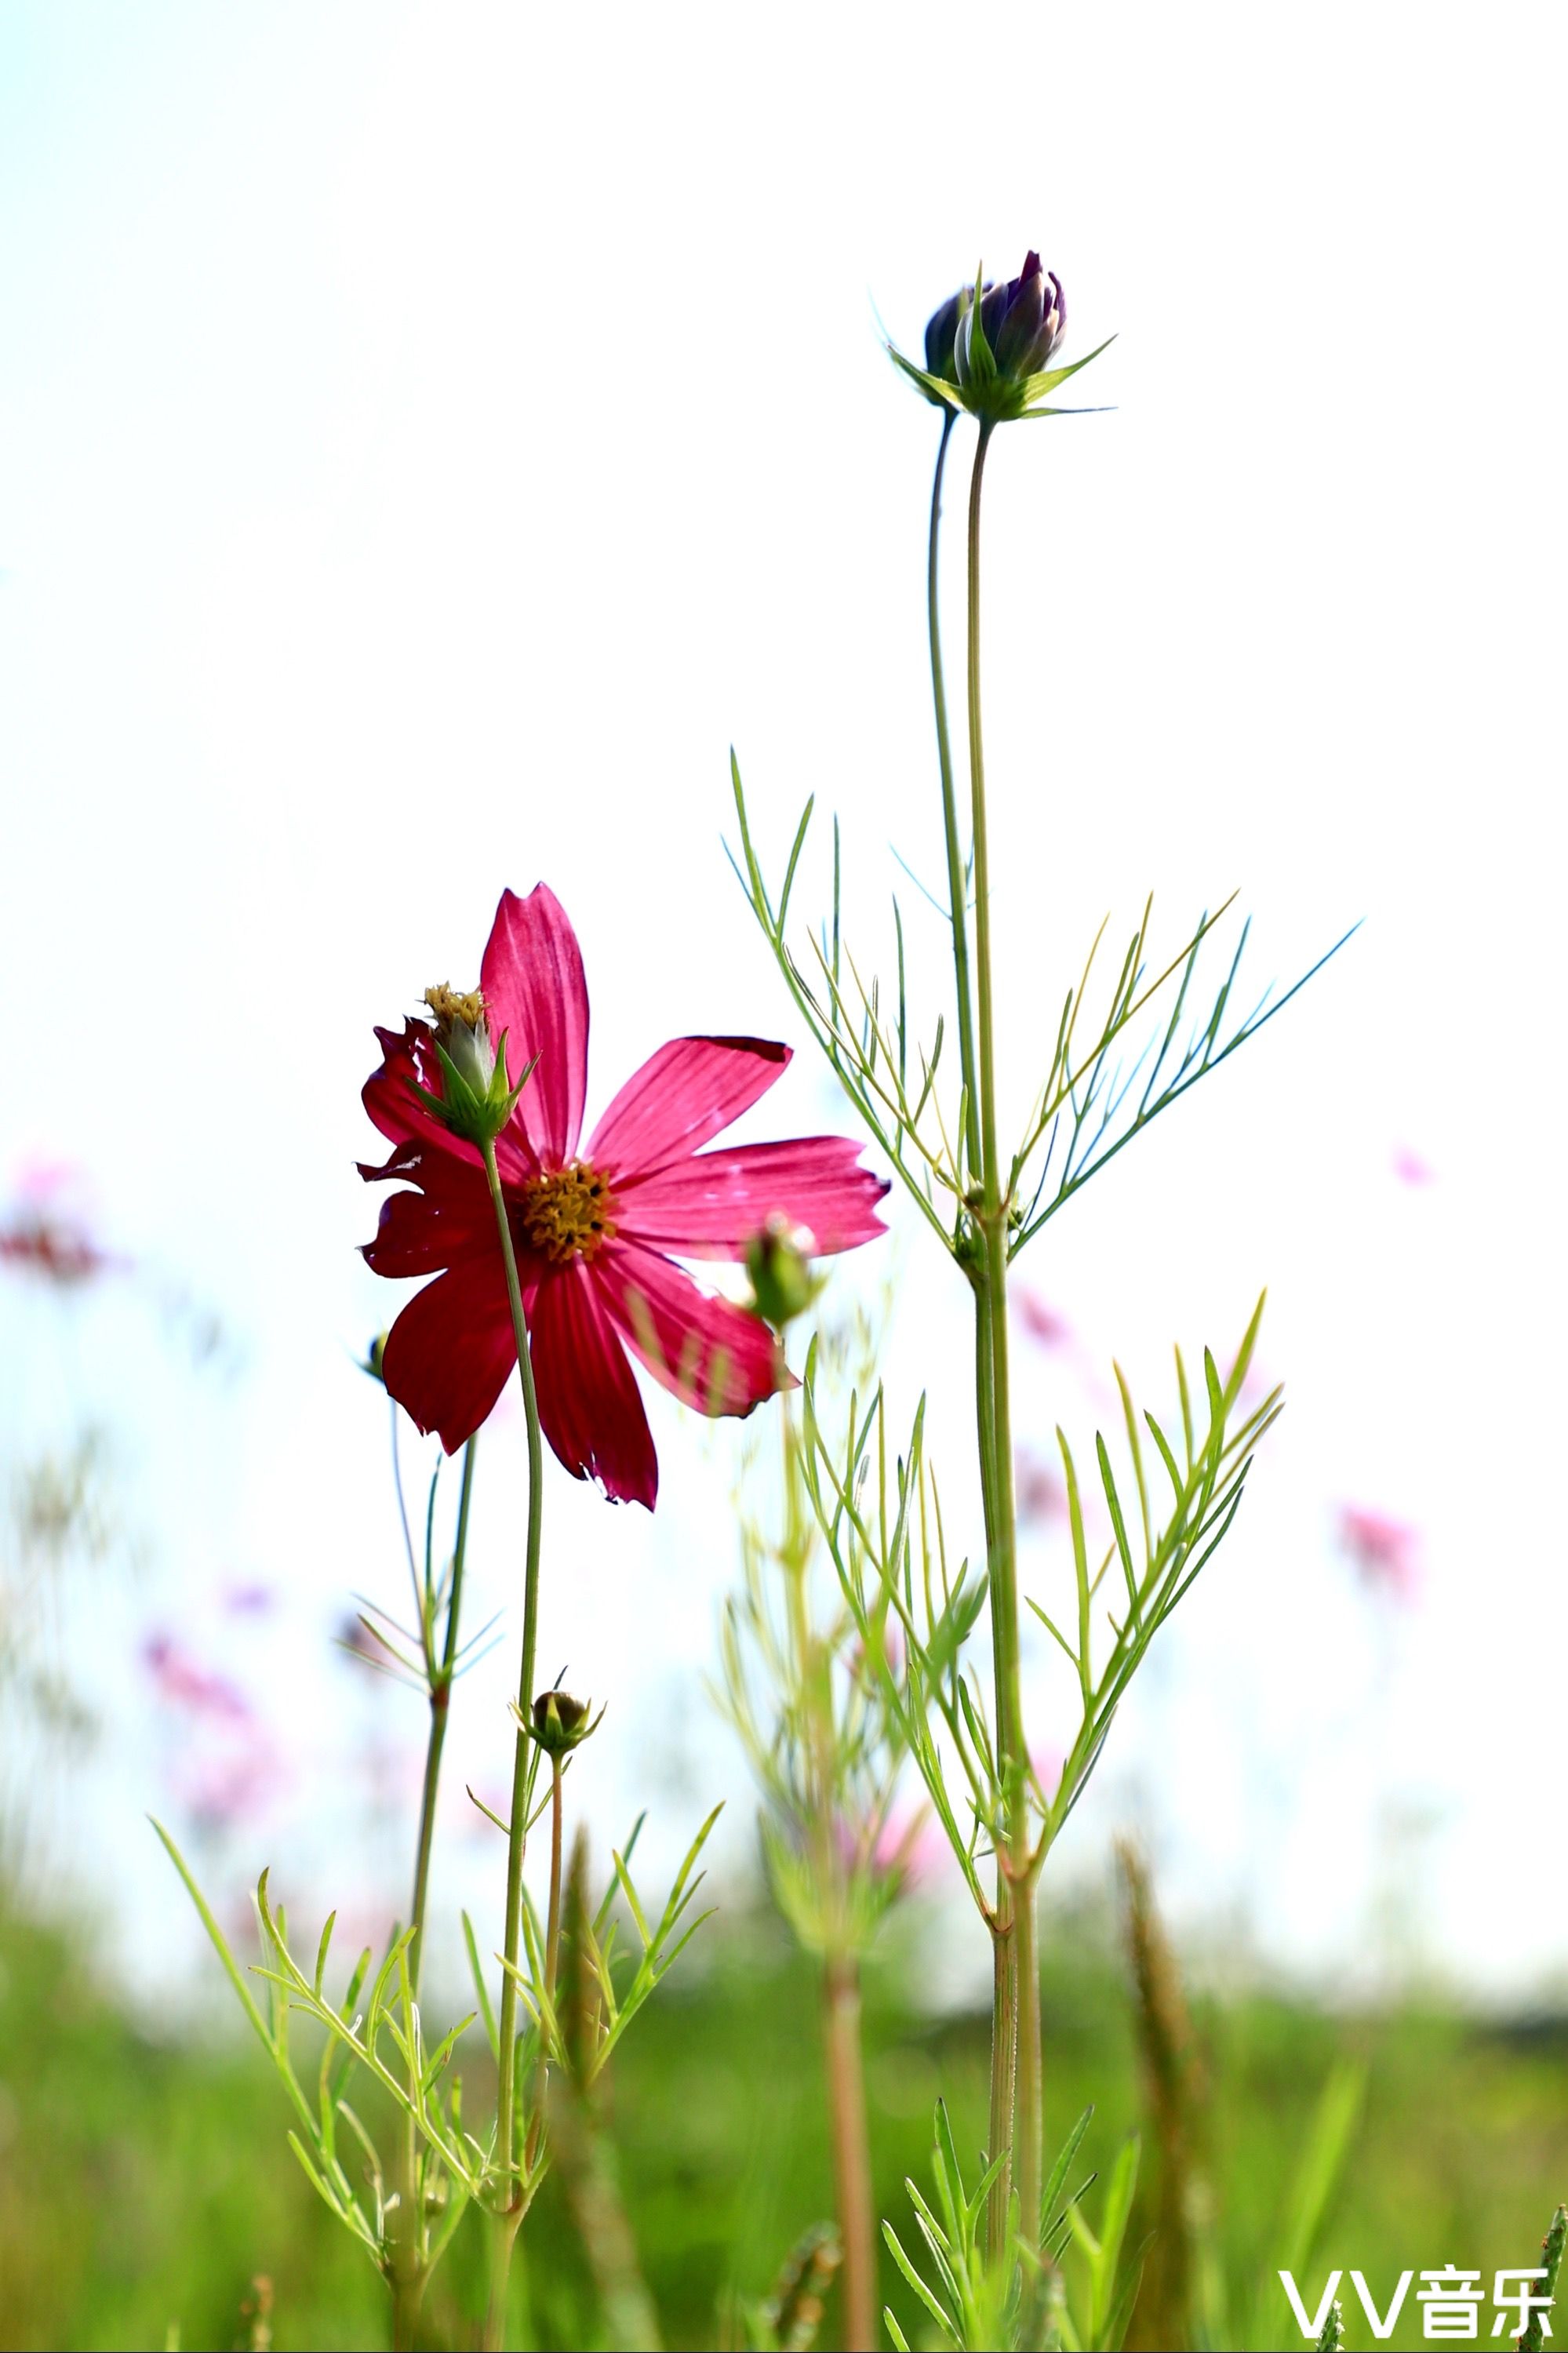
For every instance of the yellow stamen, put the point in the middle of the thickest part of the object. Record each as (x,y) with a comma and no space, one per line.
(450,1005)
(565,1213)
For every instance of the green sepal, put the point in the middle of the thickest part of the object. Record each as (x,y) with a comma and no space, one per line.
(557,1723)
(979,357)
(477,1115)
(935,387)
(992,395)
(1035,387)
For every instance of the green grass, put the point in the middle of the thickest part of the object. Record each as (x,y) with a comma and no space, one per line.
(143,2186)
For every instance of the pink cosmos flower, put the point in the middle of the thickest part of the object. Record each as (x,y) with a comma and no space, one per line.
(1041,1322)
(1038,1489)
(593,1224)
(182,1681)
(1386,1551)
(47,1234)
(912,1845)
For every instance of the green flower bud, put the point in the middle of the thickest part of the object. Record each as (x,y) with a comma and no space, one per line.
(991,348)
(371,1361)
(561,1722)
(476,1099)
(778,1263)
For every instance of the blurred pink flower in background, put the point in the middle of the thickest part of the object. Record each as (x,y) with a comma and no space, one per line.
(859,1661)
(1042,1323)
(45,1232)
(247,1600)
(1040,1492)
(913,1843)
(179,1681)
(225,1767)
(1384,1551)
(908,1845)
(218,1790)
(1410,1168)
(354,1635)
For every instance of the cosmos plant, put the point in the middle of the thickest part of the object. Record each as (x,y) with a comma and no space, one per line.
(872,1662)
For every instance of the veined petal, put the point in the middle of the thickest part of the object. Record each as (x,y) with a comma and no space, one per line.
(713,1355)
(714,1204)
(683,1096)
(449,1354)
(532,976)
(589,1404)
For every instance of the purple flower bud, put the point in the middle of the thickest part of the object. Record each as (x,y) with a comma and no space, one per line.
(940,328)
(991,348)
(993,310)
(1030,323)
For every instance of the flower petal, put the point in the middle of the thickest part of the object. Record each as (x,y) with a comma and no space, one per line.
(683,1096)
(422,1232)
(532,976)
(713,1355)
(713,1205)
(449,1354)
(589,1404)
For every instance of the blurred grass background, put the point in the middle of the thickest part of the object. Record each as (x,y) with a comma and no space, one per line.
(145,2186)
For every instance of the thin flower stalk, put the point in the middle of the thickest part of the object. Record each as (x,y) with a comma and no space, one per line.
(410,2268)
(822,1755)
(510,2214)
(852,2149)
(843,2057)
(442,1678)
(1017,2084)
(551,1961)
(958,869)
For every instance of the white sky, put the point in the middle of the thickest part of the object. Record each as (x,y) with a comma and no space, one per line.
(430,435)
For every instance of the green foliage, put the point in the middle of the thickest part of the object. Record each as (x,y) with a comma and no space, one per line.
(1331,2336)
(456,2167)
(1321,2164)
(660,1948)
(453,2165)
(879,1511)
(787,2318)
(1533,2334)
(810,1706)
(1019,2298)
(1092,1100)
(144,2180)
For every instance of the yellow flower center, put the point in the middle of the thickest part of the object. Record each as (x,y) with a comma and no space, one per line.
(565,1213)
(450,1005)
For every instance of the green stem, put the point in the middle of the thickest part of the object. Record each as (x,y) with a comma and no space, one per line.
(843,2057)
(440,1693)
(552,1958)
(957,880)
(409,2270)
(851,2149)
(506,2098)
(1017,2082)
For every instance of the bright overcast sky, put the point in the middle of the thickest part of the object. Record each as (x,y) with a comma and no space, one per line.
(430,435)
